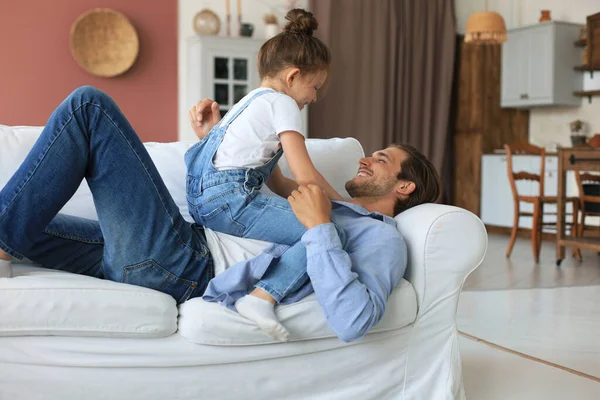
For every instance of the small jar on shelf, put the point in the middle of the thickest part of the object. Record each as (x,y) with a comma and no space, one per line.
(583,33)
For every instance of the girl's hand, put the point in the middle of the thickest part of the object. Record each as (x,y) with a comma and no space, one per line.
(204,115)
(311,206)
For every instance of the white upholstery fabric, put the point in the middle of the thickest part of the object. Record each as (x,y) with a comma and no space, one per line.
(172,368)
(44,302)
(208,323)
(445,244)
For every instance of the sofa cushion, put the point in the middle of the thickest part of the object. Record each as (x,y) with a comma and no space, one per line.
(39,301)
(210,323)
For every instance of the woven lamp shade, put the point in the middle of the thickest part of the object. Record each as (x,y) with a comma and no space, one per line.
(486,27)
(103,42)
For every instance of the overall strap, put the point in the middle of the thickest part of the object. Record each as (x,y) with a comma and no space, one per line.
(243,107)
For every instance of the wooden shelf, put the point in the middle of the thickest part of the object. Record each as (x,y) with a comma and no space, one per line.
(584,68)
(587,94)
(581,43)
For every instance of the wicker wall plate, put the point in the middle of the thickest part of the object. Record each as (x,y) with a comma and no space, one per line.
(103,42)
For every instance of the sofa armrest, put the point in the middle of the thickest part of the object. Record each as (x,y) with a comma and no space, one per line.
(445,244)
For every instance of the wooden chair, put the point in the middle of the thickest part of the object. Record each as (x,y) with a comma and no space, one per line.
(589,195)
(538,200)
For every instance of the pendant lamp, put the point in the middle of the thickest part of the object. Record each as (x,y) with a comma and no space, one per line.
(485,27)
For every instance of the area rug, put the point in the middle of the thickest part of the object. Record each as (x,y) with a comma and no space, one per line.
(559,325)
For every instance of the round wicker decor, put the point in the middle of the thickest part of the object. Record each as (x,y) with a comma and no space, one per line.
(207,22)
(103,42)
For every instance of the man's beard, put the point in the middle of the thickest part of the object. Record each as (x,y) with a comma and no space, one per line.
(369,188)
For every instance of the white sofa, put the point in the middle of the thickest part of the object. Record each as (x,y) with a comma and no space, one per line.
(64,336)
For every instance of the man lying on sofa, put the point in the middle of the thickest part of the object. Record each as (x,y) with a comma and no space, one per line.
(141,238)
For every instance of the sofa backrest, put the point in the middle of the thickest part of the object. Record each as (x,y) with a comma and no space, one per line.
(336,158)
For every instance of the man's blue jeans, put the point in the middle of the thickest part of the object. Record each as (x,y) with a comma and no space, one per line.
(140,237)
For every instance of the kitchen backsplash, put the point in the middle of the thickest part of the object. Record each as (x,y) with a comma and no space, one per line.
(549,127)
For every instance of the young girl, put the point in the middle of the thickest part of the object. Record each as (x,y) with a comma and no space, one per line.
(227,168)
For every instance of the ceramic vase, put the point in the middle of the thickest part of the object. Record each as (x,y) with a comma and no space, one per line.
(271,30)
(545,16)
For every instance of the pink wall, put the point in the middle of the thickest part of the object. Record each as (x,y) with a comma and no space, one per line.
(37,70)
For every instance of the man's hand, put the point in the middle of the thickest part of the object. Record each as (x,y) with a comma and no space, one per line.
(203,116)
(311,205)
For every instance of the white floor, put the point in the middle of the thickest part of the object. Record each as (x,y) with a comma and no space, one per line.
(491,374)
(559,325)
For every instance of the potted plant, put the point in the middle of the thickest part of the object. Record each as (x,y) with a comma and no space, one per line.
(578,138)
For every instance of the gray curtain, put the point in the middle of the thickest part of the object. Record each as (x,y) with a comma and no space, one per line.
(391,76)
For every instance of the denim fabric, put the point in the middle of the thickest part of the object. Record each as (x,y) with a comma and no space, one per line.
(286,276)
(140,237)
(229,201)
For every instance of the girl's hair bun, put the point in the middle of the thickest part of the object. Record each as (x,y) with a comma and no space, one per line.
(301,21)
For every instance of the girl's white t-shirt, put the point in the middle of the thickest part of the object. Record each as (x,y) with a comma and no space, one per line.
(251,140)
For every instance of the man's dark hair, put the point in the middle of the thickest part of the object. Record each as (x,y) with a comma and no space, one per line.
(418,169)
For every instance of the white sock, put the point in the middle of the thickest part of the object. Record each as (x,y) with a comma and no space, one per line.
(5,269)
(262,313)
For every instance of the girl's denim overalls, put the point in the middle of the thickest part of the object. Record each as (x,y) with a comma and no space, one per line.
(229,201)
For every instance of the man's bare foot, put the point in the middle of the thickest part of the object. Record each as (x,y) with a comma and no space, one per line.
(4,256)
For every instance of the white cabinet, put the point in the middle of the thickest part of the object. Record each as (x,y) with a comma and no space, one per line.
(537,66)
(496,197)
(223,69)
(497,205)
